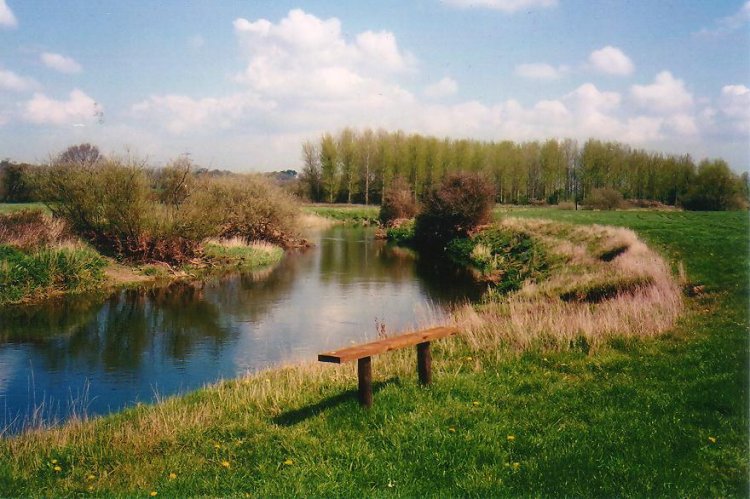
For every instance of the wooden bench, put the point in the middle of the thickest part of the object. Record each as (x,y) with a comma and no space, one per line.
(363,355)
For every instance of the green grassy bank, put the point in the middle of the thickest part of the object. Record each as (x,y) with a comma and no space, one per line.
(661,417)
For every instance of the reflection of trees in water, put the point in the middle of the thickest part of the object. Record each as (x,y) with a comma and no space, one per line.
(116,334)
(446,283)
(345,259)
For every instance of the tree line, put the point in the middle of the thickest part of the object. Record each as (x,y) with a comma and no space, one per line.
(355,166)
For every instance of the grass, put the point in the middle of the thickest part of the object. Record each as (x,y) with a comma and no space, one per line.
(11,207)
(236,254)
(664,416)
(350,214)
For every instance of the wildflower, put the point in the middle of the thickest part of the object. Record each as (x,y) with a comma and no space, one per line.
(90,477)
(54,461)
(452,429)
(91,488)
(172,476)
(57,469)
(225,464)
(475,403)
(154,493)
(469,359)
(712,440)
(217,446)
(511,438)
(288,462)
(516,466)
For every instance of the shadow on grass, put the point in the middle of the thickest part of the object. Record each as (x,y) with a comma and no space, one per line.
(295,416)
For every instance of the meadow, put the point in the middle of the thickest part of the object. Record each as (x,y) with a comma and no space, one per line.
(661,416)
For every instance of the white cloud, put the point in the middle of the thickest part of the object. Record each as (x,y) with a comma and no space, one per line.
(180,113)
(12,81)
(611,60)
(503,5)
(443,88)
(729,24)
(7,19)
(60,63)
(539,71)
(666,95)
(79,108)
(734,103)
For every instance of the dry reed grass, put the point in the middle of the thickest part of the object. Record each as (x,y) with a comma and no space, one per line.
(644,299)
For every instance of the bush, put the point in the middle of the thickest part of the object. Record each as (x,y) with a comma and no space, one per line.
(714,188)
(461,202)
(604,198)
(398,202)
(27,229)
(566,205)
(402,233)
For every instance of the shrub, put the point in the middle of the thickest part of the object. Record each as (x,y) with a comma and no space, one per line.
(398,202)
(27,229)
(566,205)
(714,188)
(604,198)
(402,233)
(459,204)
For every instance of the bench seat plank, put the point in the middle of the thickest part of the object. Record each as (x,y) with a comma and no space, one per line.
(386,345)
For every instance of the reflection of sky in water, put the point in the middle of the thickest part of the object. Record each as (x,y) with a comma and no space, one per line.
(106,353)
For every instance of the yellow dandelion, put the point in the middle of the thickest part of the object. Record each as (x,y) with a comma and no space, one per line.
(57,469)
(154,493)
(469,359)
(452,429)
(54,461)
(475,403)
(91,488)
(516,466)
(288,462)
(172,476)
(90,477)
(217,446)
(511,438)
(712,440)
(225,464)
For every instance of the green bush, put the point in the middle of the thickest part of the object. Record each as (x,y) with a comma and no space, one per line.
(461,203)
(715,188)
(402,233)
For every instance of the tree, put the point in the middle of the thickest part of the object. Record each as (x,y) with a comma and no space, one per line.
(715,188)
(329,166)
(81,155)
(312,177)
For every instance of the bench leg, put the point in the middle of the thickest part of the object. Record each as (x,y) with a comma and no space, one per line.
(424,363)
(364,374)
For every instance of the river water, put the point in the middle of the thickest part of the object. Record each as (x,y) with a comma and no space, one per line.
(94,354)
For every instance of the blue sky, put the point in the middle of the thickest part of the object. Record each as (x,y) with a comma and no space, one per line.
(240,84)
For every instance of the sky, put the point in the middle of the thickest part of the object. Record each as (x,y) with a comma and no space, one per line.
(241,84)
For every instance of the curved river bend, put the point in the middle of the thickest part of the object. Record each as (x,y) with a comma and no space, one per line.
(93,355)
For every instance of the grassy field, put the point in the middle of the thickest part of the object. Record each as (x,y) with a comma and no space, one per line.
(661,417)
(351,214)
(10,207)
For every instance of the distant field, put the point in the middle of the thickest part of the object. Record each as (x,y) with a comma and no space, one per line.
(9,207)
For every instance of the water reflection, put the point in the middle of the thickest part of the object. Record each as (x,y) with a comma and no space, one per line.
(128,346)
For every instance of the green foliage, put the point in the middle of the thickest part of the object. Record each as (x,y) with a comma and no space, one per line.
(505,256)
(461,202)
(243,257)
(714,188)
(46,271)
(604,198)
(353,215)
(126,212)
(15,182)
(402,233)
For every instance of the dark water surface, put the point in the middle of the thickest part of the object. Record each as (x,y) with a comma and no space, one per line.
(96,354)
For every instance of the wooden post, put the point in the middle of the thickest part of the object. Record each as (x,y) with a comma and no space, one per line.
(364,373)
(424,363)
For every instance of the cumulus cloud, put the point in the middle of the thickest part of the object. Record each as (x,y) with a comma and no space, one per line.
(79,108)
(7,19)
(539,71)
(611,60)
(666,94)
(729,24)
(502,5)
(14,82)
(443,88)
(60,63)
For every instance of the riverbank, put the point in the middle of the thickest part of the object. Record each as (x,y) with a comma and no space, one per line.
(40,260)
(661,416)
